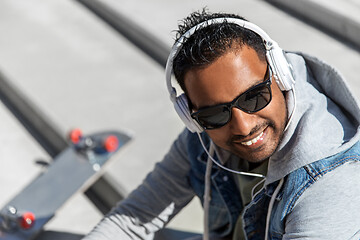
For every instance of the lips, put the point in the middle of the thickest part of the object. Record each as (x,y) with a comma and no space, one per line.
(254,140)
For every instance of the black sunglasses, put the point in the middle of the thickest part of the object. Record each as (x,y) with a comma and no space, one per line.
(252,100)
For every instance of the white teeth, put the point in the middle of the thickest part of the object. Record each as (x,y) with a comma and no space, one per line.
(252,141)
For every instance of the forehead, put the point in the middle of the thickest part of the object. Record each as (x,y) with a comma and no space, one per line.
(224,79)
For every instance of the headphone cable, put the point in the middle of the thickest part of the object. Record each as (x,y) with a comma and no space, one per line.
(225,168)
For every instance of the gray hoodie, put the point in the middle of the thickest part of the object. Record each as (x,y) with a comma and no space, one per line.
(325,109)
(324,120)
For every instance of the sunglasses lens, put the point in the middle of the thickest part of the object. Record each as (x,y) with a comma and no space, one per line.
(255,99)
(213,117)
(251,101)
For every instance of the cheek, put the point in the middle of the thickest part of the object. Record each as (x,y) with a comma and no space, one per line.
(219,136)
(278,108)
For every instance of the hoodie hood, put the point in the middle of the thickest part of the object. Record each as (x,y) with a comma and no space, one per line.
(325,117)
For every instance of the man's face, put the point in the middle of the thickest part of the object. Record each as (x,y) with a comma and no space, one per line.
(253,137)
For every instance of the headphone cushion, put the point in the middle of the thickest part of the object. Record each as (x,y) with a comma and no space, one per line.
(182,108)
(282,68)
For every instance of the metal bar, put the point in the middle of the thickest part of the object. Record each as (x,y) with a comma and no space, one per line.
(339,26)
(31,118)
(53,142)
(138,36)
(104,195)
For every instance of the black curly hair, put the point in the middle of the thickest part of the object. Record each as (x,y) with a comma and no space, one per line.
(209,43)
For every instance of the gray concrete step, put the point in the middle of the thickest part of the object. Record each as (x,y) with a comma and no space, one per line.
(81,73)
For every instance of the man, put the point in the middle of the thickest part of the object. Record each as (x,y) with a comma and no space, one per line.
(281,130)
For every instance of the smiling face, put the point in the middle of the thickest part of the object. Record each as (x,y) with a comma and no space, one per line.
(252,136)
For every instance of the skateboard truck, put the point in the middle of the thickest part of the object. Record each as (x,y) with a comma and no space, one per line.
(91,146)
(106,144)
(11,220)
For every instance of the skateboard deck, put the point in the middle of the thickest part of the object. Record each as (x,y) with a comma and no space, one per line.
(74,169)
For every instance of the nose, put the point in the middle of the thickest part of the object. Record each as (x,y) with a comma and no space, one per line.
(241,123)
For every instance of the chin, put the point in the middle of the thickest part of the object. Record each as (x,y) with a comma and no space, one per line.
(256,159)
(256,156)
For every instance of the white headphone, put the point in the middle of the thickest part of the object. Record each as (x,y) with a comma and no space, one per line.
(274,55)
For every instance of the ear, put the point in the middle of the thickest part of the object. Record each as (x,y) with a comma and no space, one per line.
(282,69)
(182,109)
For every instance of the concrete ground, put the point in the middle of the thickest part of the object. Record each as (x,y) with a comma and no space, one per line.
(81,73)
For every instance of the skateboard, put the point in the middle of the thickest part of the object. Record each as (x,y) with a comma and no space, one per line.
(74,169)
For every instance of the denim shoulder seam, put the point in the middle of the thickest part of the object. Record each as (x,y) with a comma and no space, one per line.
(314,175)
(336,164)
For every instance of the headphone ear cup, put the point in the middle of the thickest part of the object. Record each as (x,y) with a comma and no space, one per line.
(281,67)
(182,108)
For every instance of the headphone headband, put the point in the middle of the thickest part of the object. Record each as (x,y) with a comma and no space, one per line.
(178,44)
(274,54)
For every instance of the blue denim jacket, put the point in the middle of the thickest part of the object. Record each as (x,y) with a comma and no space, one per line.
(226,205)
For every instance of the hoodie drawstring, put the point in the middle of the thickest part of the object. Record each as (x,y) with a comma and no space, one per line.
(207,198)
(207,192)
(271,204)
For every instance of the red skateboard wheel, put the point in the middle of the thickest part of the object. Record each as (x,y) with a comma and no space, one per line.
(111,143)
(75,135)
(27,220)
